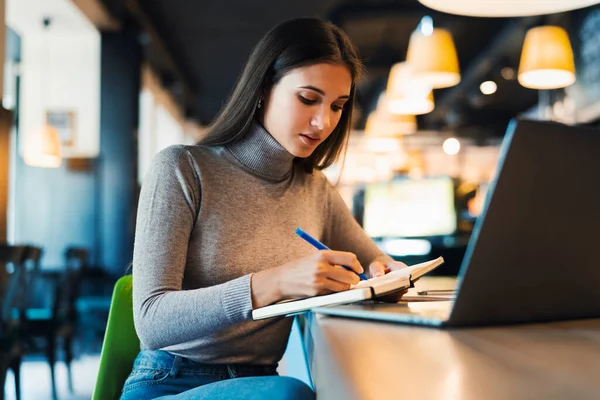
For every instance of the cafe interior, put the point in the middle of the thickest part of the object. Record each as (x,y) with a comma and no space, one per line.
(92,90)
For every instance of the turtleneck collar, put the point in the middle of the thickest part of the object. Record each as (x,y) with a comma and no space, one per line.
(262,155)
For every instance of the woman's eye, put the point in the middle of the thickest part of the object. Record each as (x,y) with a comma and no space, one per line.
(306,101)
(337,108)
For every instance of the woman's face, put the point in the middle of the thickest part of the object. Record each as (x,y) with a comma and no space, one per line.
(305,106)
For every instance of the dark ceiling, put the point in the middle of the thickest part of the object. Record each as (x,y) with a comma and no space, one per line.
(205,44)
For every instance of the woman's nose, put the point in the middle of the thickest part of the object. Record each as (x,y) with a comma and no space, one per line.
(321,120)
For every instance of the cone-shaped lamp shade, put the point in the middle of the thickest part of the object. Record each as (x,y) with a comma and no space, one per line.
(433,58)
(383,123)
(380,124)
(505,8)
(42,148)
(407,95)
(546,59)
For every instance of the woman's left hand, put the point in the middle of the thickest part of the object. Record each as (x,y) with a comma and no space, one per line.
(381,266)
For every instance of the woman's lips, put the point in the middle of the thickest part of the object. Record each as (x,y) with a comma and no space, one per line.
(309,139)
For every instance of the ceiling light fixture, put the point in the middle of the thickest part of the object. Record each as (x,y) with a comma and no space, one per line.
(43,146)
(380,124)
(546,59)
(405,94)
(505,8)
(508,73)
(451,146)
(488,87)
(432,56)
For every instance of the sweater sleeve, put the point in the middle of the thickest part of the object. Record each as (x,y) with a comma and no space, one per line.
(343,233)
(164,314)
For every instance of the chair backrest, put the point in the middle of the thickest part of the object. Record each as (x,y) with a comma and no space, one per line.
(67,289)
(121,344)
(76,257)
(11,279)
(31,275)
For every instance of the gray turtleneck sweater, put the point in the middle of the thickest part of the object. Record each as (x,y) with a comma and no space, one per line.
(208,218)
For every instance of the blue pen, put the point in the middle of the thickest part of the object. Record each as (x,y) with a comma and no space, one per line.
(320,246)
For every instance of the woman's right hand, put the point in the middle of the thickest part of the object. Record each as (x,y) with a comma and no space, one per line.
(316,274)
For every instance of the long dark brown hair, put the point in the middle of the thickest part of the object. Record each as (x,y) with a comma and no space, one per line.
(289,45)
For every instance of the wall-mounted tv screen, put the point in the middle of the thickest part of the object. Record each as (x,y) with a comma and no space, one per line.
(408,207)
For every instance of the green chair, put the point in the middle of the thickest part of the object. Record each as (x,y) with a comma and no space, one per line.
(121,344)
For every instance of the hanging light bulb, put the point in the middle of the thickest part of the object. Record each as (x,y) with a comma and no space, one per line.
(432,55)
(407,95)
(488,87)
(546,59)
(43,146)
(451,146)
(426,25)
(505,8)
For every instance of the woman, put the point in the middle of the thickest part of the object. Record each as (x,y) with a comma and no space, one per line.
(215,229)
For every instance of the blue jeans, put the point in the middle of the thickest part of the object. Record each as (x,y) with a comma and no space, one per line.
(161,375)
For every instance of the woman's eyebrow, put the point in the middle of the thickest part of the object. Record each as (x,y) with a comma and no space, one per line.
(321,92)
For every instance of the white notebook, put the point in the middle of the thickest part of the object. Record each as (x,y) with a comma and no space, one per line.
(365,290)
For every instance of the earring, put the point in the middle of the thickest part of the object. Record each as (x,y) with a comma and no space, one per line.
(259,104)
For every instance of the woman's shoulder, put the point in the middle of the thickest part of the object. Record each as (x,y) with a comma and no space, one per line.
(316,179)
(191,154)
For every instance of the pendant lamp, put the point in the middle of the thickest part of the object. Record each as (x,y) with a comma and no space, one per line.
(432,57)
(546,59)
(43,146)
(380,124)
(407,95)
(505,8)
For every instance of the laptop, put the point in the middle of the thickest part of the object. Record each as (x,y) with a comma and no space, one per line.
(534,254)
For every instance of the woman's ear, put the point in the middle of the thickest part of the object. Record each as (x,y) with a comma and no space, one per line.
(260,107)
(265,93)
(264,99)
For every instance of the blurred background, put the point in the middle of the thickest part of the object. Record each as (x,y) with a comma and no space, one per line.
(93,89)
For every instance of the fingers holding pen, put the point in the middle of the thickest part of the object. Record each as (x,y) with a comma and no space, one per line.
(342,258)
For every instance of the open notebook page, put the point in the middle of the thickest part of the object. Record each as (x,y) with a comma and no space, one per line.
(399,279)
(288,307)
